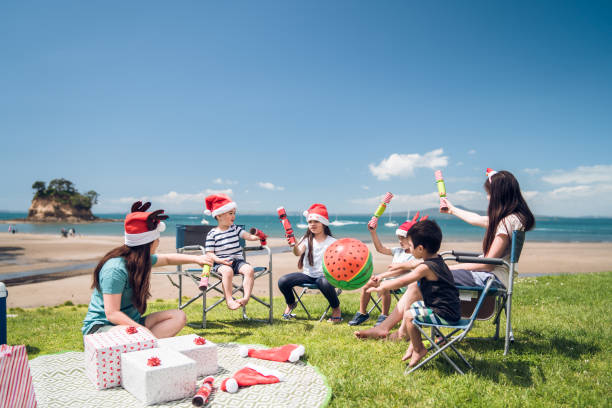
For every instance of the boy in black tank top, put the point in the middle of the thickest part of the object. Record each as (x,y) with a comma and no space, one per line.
(440,302)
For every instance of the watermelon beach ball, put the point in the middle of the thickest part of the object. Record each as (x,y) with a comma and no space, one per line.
(347,264)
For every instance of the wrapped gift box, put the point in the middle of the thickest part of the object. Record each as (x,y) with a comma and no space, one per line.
(158,375)
(103,353)
(204,352)
(16,389)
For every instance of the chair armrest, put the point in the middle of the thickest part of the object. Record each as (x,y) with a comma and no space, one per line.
(192,248)
(466,253)
(478,260)
(255,248)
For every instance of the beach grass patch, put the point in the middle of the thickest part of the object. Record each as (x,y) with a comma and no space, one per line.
(561,356)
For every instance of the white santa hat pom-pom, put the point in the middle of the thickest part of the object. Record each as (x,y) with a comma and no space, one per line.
(161,227)
(305,213)
(243,351)
(207,212)
(231,386)
(297,353)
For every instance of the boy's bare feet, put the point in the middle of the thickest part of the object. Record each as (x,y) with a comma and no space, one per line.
(232,304)
(243,301)
(417,355)
(372,333)
(408,353)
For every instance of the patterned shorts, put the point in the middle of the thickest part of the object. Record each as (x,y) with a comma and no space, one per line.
(425,314)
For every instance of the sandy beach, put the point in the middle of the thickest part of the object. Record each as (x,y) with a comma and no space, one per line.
(28,252)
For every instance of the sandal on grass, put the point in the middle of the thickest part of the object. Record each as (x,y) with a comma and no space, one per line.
(335,319)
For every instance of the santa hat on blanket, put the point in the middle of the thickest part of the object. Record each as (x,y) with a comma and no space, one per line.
(143,227)
(288,352)
(317,212)
(403,229)
(251,375)
(218,204)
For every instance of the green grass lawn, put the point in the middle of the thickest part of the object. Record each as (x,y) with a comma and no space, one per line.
(561,356)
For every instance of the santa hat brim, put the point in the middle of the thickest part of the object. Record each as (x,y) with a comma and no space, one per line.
(401,233)
(142,238)
(222,210)
(316,217)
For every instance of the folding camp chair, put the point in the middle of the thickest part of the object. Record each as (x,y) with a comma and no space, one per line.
(498,298)
(463,327)
(312,286)
(191,239)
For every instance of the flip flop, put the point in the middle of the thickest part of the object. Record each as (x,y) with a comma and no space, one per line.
(335,319)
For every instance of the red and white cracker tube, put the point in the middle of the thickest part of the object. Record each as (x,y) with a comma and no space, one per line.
(441,189)
(380,210)
(282,214)
(201,397)
(204,277)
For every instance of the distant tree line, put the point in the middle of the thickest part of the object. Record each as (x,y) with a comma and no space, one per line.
(63,190)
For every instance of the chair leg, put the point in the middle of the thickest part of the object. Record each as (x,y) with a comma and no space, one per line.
(376,302)
(299,299)
(509,334)
(440,350)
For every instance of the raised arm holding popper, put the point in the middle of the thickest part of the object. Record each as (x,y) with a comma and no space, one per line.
(379,211)
(441,189)
(282,214)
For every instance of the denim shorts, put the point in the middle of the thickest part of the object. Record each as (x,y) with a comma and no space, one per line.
(236,265)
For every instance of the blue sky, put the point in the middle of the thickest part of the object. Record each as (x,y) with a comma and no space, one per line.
(290,103)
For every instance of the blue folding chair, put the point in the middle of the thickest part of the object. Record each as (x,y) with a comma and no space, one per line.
(464,325)
(191,239)
(499,299)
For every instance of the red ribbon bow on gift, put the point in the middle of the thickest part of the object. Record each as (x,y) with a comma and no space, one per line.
(153,362)
(131,330)
(199,341)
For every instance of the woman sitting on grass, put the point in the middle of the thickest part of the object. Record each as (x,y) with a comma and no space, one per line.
(122,279)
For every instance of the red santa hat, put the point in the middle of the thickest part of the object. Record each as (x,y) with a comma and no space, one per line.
(251,375)
(403,229)
(288,352)
(218,204)
(317,212)
(490,172)
(143,227)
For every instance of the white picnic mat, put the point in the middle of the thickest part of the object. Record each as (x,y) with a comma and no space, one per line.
(60,381)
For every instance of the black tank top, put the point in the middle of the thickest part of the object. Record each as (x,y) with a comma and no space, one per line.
(441,296)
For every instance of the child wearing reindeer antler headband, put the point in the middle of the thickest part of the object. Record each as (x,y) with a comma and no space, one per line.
(122,279)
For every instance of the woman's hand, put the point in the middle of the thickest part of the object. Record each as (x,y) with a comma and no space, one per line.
(209,260)
(446,207)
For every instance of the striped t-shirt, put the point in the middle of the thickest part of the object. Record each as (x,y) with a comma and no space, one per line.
(225,244)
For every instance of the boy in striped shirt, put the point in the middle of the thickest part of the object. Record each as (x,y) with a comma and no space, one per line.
(223,244)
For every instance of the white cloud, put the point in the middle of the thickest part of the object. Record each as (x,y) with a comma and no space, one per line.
(269,186)
(173,199)
(225,182)
(472,151)
(405,164)
(601,173)
(532,171)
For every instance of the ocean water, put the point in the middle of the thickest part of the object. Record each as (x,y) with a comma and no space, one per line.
(548,229)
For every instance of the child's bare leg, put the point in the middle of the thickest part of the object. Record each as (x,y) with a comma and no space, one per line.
(249,280)
(403,333)
(418,349)
(364,299)
(386,302)
(227,274)
(382,330)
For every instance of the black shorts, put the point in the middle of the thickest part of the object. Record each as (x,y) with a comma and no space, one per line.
(236,265)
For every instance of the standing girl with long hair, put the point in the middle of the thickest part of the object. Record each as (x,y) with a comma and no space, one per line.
(122,279)
(310,249)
